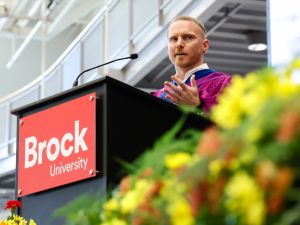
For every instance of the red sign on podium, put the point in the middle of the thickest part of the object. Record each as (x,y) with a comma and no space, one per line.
(57,145)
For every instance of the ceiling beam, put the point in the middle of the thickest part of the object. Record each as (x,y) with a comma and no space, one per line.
(219,23)
(228,35)
(233,62)
(74,15)
(250,55)
(256,3)
(240,26)
(24,44)
(247,18)
(229,46)
(232,70)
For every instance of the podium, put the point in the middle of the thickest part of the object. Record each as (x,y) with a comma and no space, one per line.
(122,122)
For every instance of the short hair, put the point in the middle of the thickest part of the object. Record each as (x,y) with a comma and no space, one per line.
(192,19)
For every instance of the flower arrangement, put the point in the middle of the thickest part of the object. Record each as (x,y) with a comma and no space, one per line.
(242,171)
(14,219)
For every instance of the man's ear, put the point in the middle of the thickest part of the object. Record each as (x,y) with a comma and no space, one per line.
(205,45)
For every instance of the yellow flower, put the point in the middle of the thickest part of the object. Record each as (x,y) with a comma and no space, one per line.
(18,218)
(253,133)
(228,115)
(292,68)
(215,167)
(32,222)
(295,63)
(129,202)
(229,110)
(22,222)
(180,212)
(287,88)
(248,155)
(177,207)
(111,205)
(115,221)
(15,220)
(171,187)
(234,164)
(251,102)
(177,160)
(135,196)
(245,199)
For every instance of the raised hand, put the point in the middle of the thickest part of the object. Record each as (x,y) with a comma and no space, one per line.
(182,94)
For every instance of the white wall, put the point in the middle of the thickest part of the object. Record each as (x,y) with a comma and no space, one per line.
(28,66)
(24,70)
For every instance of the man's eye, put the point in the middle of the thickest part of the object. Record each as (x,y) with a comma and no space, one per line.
(188,37)
(173,39)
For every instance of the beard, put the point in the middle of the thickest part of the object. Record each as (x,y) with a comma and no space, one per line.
(187,62)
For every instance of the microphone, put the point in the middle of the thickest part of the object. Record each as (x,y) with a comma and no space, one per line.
(132,56)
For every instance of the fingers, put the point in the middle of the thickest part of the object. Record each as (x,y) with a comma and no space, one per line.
(173,87)
(193,82)
(182,93)
(171,96)
(179,82)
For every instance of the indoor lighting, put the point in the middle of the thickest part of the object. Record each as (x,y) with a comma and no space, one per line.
(257,41)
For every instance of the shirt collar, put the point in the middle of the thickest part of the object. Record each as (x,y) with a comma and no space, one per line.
(192,71)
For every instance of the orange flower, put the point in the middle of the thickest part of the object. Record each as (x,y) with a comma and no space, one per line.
(265,174)
(275,181)
(154,190)
(210,142)
(125,184)
(147,172)
(275,203)
(137,220)
(196,197)
(288,125)
(214,194)
(280,185)
(283,179)
(145,211)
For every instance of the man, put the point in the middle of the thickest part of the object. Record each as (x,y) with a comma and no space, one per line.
(194,83)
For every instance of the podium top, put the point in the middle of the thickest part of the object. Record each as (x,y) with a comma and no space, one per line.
(76,90)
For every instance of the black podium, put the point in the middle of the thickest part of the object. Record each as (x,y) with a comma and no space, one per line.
(127,122)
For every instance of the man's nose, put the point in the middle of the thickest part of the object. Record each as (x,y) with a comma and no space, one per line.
(180,43)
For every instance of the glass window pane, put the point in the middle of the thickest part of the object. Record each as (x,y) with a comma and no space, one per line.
(92,49)
(3,151)
(4,113)
(71,67)
(52,83)
(31,96)
(3,118)
(118,26)
(28,97)
(142,12)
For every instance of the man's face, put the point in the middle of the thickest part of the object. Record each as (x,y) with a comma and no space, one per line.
(186,44)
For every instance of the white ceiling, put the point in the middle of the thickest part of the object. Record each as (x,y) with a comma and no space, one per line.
(18,17)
